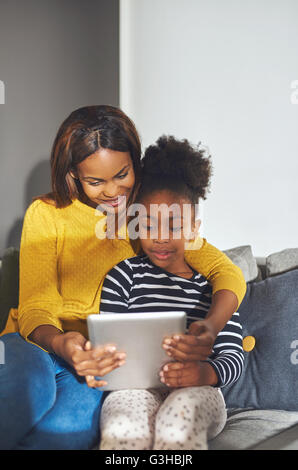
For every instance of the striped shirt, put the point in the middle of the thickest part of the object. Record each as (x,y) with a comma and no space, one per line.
(137,285)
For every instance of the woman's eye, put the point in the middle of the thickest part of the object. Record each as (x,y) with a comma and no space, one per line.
(121,177)
(94,183)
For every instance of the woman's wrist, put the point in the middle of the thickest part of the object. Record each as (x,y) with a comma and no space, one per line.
(224,304)
(63,344)
(45,336)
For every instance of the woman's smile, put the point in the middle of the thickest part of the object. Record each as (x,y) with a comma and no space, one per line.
(107,178)
(115,202)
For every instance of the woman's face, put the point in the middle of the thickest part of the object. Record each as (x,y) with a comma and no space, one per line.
(107,178)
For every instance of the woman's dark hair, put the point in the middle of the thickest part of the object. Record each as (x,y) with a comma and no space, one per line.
(177,166)
(84,132)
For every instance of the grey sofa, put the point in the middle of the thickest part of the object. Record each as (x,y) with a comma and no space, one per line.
(261,429)
(247,428)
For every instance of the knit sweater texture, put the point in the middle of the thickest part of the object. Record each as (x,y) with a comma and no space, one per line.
(63,263)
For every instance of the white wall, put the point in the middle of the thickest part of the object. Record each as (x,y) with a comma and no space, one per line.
(220,72)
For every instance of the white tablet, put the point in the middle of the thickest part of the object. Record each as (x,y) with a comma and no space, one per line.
(140,335)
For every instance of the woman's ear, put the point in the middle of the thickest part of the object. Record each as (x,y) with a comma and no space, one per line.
(71,185)
(73,174)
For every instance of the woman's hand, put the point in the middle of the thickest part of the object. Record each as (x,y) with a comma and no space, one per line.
(87,361)
(195,346)
(188,374)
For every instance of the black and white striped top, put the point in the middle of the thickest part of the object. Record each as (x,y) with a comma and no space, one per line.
(137,285)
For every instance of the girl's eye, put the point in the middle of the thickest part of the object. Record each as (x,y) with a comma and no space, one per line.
(176,228)
(147,227)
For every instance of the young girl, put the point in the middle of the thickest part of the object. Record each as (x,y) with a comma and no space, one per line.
(49,362)
(175,175)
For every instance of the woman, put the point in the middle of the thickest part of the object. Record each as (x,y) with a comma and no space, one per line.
(48,396)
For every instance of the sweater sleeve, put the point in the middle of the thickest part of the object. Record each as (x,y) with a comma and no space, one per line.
(116,289)
(39,300)
(220,271)
(228,358)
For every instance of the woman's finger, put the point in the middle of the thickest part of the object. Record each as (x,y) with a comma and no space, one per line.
(185,356)
(93,367)
(81,357)
(109,369)
(97,371)
(174,366)
(94,383)
(188,345)
(177,383)
(99,352)
(177,376)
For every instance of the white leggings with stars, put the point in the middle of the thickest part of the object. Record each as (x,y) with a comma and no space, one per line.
(184,419)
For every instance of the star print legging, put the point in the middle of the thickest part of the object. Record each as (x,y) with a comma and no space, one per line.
(184,419)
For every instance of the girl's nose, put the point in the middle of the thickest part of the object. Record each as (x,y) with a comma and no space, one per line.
(161,234)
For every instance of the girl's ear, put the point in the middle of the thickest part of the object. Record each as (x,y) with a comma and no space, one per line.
(197,226)
(195,230)
(194,241)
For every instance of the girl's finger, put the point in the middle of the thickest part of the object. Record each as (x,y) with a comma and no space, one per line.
(177,374)
(177,383)
(174,366)
(176,371)
(176,380)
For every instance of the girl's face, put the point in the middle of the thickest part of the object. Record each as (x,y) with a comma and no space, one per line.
(165,231)
(107,178)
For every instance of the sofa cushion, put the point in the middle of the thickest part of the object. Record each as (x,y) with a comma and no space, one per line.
(247,429)
(243,257)
(282,261)
(269,313)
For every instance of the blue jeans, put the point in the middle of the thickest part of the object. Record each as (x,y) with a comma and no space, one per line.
(44,404)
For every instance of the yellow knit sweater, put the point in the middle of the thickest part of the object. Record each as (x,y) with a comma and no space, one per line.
(63,264)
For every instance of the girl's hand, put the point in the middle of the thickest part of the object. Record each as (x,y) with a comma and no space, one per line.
(195,346)
(87,361)
(189,374)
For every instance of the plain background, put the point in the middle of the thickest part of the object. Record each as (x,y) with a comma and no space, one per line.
(216,71)
(220,72)
(55,56)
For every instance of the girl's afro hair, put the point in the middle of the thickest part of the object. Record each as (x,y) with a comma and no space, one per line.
(178,166)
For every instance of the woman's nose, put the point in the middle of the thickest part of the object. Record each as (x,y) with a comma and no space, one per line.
(110,190)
